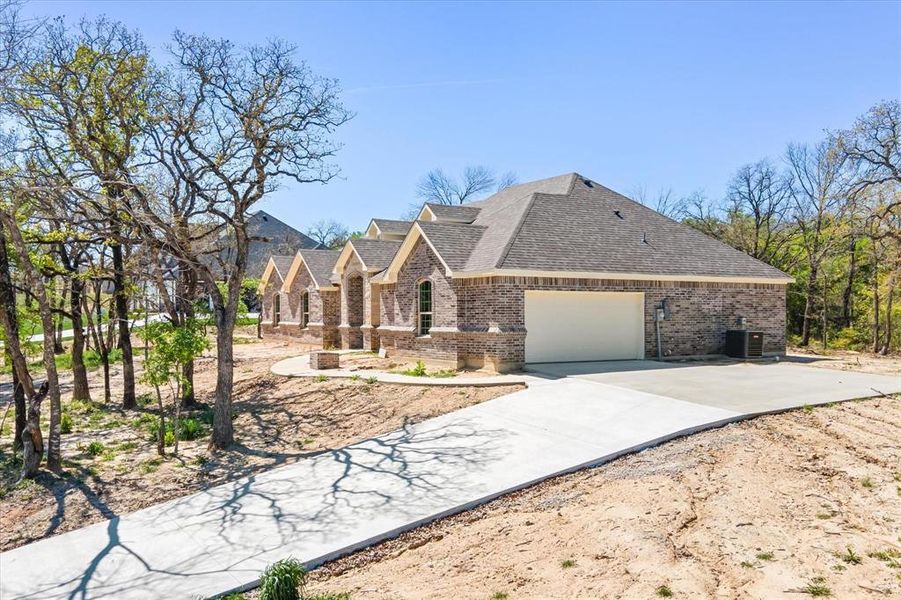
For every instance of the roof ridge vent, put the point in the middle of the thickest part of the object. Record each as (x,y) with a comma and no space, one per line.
(587,183)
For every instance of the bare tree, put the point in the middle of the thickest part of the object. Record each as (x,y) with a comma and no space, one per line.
(328,233)
(508,179)
(438,188)
(758,202)
(235,123)
(664,201)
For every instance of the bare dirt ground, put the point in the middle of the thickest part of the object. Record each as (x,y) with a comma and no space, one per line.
(278,421)
(802,503)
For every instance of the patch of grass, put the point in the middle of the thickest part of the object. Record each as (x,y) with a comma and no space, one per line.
(237,596)
(443,373)
(499,596)
(200,460)
(664,591)
(747,564)
(355,377)
(126,446)
(867,483)
(321,378)
(826,514)
(149,466)
(417,371)
(817,587)
(190,429)
(281,580)
(372,380)
(851,557)
(328,596)
(568,564)
(65,423)
(890,557)
(764,556)
(807,408)
(95,448)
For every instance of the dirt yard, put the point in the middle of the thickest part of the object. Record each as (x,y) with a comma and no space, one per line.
(278,421)
(806,503)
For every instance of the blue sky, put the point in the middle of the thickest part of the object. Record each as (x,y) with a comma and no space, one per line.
(630,94)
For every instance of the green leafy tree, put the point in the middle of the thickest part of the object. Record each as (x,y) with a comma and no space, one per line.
(171,348)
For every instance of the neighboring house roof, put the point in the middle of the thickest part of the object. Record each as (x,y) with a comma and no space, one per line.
(318,263)
(277,265)
(569,224)
(375,255)
(460,213)
(392,226)
(277,238)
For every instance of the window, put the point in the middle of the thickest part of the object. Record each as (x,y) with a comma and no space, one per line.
(276,309)
(425,307)
(304,309)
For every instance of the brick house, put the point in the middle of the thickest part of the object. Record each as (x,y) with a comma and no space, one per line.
(299,298)
(561,269)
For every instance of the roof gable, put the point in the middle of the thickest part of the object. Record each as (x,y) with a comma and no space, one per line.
(277,266)
(318,263)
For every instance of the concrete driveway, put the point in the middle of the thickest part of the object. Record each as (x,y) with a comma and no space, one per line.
(570,417)
(745,387)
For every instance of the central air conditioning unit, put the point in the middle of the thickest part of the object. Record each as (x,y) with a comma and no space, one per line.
(741,343)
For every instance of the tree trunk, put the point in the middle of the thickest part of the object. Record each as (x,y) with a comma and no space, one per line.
(10,325)
(808,306)
(890,295)
(875,306)
(849,285)
(161,433)
(120,294)
(36,283)
(223,432)
(80,388)
(20,406)
(32,440)
(58,347)
(184,303)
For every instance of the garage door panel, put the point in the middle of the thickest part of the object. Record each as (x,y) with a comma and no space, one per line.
(579,326)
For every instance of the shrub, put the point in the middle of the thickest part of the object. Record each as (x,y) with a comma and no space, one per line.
(95,448)
(190,429)
(418,370)
(282,580)
(65,423)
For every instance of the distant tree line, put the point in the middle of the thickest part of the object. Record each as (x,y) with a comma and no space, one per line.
(829,214)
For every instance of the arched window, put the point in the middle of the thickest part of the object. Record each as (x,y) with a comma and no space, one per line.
(425,307)
(276,309)
(304,309)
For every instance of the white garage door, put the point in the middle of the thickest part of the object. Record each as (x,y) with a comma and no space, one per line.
(573,326)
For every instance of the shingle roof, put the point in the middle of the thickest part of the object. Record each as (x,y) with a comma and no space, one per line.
(463,213)
(375,254)
(282,264)
(320,264)
(501,214)
(392,226)
(569,223)
(454,242)
(592,228)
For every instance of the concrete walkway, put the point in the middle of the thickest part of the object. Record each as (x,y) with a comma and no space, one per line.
(299,366)
(219,540)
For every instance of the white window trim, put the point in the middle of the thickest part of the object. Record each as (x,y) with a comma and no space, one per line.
(430,312)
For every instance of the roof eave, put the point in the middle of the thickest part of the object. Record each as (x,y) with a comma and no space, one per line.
(785,280)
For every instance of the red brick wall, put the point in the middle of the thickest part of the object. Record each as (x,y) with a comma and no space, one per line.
(481,321)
